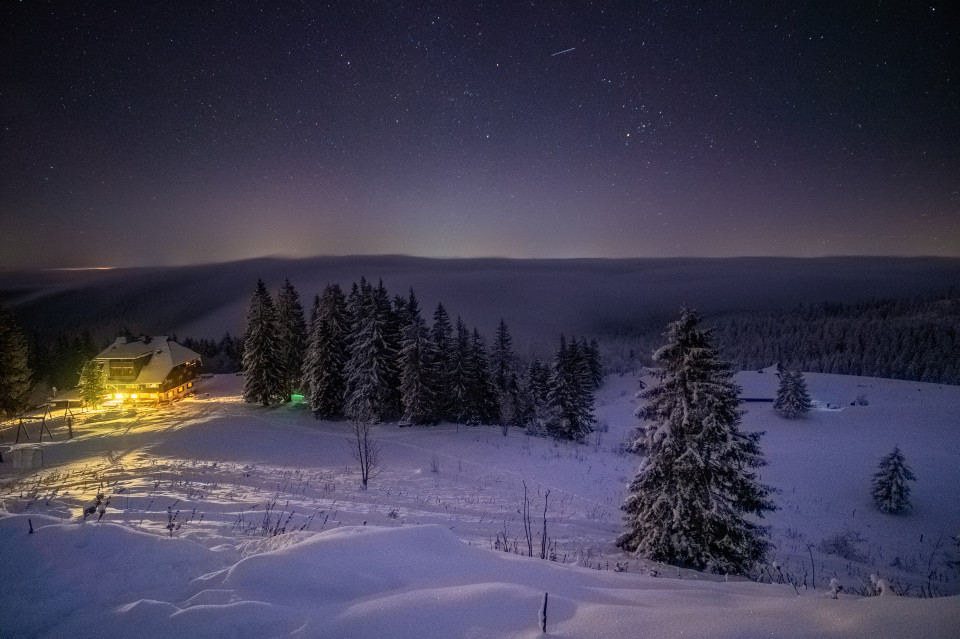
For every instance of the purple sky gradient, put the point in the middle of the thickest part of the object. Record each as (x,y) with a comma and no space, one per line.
(188,132)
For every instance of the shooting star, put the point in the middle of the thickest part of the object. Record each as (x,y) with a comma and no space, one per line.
(564,51)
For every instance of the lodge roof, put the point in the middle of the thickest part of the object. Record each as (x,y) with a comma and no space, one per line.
(162,353)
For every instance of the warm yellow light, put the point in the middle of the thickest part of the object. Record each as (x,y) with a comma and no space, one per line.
(153,395)
(133,396)
(118,396)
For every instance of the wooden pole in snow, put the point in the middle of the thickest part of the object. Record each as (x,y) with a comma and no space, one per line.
(543,613)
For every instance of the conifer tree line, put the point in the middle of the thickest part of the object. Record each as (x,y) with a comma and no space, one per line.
(37,364)
(218,356)
(916,339)
(365,355)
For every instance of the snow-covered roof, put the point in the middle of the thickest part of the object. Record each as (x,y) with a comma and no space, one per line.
(163,355)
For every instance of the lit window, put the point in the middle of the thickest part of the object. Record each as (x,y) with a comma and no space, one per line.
(133,395)
(180,390)
(189,384)
(153,395)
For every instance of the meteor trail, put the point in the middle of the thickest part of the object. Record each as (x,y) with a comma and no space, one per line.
(564,51)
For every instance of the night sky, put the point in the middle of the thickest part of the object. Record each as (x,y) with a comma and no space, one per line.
(157,133)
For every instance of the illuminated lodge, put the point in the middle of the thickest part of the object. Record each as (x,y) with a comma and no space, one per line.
(148,369)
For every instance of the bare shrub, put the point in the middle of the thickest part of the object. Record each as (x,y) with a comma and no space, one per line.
(843,545)
(365,449)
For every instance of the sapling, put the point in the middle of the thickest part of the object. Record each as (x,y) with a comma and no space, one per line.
(364,448)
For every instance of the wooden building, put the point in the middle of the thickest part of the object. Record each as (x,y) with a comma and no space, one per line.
(148,370)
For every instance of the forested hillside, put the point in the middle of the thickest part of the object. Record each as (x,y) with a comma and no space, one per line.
(916,339)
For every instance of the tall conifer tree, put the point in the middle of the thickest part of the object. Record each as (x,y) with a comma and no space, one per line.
(503,365)
(323,367)
(393,313)
(463,375)
(689,501)
(263,373)
(291,338)
(417,375)
(594,363)
(368,368)
(483,392)
(534,403)
(441,334)
(570,393)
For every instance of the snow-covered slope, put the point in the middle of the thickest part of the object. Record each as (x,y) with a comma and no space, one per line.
(197,491)
(420,581)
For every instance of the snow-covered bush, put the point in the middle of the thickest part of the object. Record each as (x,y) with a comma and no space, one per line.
(878,586)
(835,588)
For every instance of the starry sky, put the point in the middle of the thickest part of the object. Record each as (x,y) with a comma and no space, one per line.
(164,132)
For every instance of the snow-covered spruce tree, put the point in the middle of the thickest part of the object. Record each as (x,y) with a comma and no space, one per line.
(263,380)
(792,400)
(502,359)
(890,491)
(483,392)
(368,366)
(93,384)
(291,338)
(462,376)
(503,367)
(15,373)
(688,503)
(580,373)
(394,314)
(308,369)
(417,374)
(323,367)
(570,393)
(441,334)
(533,402)
(594,363)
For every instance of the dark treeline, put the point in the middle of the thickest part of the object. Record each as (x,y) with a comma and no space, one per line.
(57,363)
(218,356)
(916,339)
(368,356)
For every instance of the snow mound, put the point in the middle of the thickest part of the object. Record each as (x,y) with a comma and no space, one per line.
(416,581)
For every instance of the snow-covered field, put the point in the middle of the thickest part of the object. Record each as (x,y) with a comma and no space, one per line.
(227,519)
